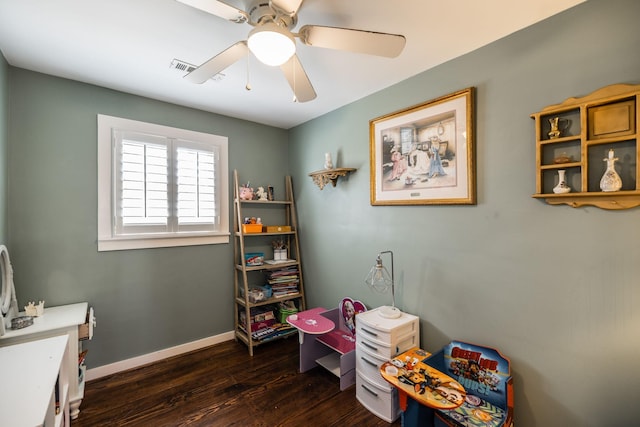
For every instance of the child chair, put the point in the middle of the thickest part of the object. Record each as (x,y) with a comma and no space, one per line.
(333,350)
(486,376)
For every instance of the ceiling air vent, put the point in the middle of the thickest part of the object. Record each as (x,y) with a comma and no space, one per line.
(187,68)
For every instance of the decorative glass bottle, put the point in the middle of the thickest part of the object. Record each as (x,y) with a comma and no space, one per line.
(610,181)
(562,186)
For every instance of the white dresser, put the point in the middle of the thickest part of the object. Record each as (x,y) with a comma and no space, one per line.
(34,383)
(74,321)
(378,339)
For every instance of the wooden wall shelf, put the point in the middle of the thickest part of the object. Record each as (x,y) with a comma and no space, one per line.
(323,177)
(586,130)
(612,201)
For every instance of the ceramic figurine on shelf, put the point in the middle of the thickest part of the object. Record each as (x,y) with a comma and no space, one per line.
(328,163)
(558,126)
(262,195)
(555,129)
(562,186)
(610,181)
(562,158)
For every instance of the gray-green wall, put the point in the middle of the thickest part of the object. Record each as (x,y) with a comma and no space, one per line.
(145,300)
(555,288)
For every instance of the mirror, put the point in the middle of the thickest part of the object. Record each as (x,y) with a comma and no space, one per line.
(8,300)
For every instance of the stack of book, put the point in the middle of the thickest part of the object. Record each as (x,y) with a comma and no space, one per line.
(273,331)
(284,282)
(261,317)
(263,324)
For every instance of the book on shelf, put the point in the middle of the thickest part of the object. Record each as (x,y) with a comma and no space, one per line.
(272,331)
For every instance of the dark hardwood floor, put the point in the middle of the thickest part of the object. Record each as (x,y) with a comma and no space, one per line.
(222,385)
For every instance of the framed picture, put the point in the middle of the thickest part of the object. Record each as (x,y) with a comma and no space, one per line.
(424,155)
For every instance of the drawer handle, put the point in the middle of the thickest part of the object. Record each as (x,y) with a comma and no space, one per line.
(368,361)
(369,390)
(369,332)
(369,346)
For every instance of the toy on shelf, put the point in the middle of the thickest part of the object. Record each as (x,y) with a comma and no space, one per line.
(34,310)
(262,194)
(246,192)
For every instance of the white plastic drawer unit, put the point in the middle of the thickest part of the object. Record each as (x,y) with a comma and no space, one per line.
(381,402)
(387,351)
(368,365)
(387,332)
(378,339)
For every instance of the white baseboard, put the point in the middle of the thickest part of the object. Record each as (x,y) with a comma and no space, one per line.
(134,362)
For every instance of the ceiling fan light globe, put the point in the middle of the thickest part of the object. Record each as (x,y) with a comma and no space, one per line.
(271,44)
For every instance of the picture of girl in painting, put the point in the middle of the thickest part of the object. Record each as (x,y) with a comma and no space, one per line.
(435,166)
(399,163)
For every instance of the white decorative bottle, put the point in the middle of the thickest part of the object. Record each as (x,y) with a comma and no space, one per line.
(610,181)
(328,164)
(562,186)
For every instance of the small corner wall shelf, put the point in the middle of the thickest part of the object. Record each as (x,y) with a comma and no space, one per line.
(323,177)
(574,139)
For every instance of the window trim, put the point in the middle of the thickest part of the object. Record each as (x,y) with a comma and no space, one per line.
(106,240)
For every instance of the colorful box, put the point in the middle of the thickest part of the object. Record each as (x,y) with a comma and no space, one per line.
(252,228)
(254,258)
(278,228)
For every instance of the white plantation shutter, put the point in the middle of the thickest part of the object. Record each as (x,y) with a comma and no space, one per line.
(142,183)
(197,204)
(165,186)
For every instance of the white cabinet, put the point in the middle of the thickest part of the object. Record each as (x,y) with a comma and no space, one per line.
(74,321)
(378,339)
(34,383)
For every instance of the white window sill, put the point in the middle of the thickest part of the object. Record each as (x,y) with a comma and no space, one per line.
(126,244)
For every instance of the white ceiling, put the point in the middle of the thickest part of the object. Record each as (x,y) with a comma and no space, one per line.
(128,45)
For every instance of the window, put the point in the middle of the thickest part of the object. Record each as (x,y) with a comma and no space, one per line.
(160,186)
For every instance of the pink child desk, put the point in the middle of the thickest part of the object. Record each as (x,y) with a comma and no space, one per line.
(311,322)
(324,344)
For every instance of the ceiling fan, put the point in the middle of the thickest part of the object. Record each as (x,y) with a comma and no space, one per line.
(272,41)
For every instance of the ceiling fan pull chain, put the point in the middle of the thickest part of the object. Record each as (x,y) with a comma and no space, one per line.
(248,86)
(293,65)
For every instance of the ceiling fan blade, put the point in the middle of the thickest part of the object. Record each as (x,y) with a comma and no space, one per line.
(288,7)
(298,80)
(218,63)
(359,41)
(218,8)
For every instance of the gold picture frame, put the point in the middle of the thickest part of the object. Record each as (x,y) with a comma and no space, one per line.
(425,154)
